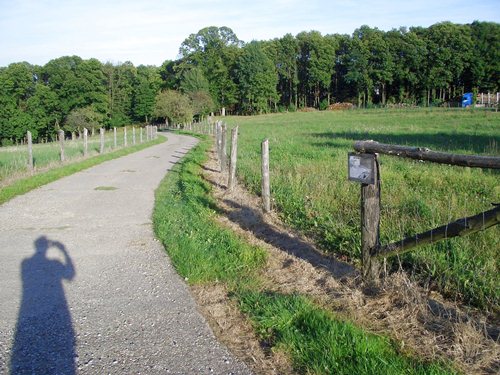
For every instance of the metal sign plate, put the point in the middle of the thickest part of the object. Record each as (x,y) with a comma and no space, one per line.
(360,168)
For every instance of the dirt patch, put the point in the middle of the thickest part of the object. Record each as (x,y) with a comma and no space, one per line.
(419,321)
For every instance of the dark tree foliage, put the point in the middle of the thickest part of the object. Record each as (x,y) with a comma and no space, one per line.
(257,79)
(415,66)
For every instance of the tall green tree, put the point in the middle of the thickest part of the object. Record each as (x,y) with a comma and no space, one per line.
(43,108)
(121,80)
(76,82)
(257,79)
(214,50)
(449,48)
(409,54)
(17,85)
(483,73)
(316,65)
(286,66)
(146,88)
(357,74)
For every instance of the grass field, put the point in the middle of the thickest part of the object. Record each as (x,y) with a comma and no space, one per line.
(204,252)
(14,159)
(310,190)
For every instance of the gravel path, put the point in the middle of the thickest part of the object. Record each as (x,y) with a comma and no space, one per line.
(86,289)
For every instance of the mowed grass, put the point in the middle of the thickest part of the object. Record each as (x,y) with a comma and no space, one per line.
(14,159)
(310,190)
(204,252)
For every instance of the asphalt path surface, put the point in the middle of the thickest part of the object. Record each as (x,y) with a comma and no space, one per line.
(85,288)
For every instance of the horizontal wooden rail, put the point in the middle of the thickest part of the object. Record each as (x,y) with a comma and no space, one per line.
(423,153)
(461,227)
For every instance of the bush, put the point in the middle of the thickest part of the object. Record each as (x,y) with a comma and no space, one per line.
(174,106)
(80,118)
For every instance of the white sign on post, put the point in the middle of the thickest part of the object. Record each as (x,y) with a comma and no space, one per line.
(360,168)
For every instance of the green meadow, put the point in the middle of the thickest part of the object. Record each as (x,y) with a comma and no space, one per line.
(311,193)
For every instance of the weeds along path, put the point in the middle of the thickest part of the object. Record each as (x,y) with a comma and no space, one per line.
(86,288)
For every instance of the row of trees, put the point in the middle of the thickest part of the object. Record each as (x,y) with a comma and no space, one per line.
(69,92)
(419,66)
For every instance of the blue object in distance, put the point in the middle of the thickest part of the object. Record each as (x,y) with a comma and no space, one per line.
(466,99)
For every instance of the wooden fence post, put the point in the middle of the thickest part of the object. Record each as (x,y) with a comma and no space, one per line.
(233,158)
(114,136)
(218,140)
(370,225)
(101,147)
(266,186)
(223,160)
(125,136)
(156,131)
(61,144)
(140,135)
(30,151)
(85,142)
(133,135)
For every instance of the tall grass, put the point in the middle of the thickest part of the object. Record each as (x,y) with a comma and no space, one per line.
(310,189)
(14,159)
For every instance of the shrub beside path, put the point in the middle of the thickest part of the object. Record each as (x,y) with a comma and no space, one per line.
(85,287)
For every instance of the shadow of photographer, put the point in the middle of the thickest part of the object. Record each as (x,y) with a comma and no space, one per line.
(44,341)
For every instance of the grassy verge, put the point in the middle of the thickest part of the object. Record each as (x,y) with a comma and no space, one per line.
(183,219)
(319,343)
(202,251)
(24,185)
(310,190)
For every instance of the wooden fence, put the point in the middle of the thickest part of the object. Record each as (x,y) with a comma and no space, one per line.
(152,132)
(365,168)
(371,248)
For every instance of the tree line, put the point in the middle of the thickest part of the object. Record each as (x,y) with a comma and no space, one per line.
(415,66)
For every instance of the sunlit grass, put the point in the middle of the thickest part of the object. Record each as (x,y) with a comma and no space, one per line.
(23,185)
(205,252)
(310,190)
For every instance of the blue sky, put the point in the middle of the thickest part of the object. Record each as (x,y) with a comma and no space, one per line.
(151,31)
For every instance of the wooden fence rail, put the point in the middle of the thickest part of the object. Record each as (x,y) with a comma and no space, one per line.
(460,227)
(425,154)
(371,248)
